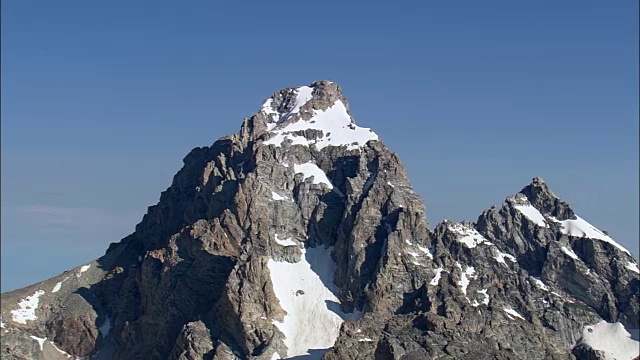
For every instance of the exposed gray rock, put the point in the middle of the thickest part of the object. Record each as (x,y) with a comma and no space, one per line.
(194,280)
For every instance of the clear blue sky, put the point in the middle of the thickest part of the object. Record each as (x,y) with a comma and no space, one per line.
(101,100)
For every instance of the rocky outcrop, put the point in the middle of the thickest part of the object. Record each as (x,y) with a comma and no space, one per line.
(300,236)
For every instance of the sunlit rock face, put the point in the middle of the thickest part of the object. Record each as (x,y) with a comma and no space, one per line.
(301,237)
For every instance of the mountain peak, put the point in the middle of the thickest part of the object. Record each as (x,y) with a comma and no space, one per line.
(316,114)
(542,198)
(304,218)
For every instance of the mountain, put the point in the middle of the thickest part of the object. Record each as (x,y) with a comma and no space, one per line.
(300,237)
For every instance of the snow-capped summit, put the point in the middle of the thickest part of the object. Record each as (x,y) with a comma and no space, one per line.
(315,115)
(300,236)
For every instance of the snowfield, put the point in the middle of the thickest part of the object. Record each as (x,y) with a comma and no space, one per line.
(310,169)
(338,129)
(307,293)
(581,228)
(27,310)
(468,236)
(532,214)
(613,339)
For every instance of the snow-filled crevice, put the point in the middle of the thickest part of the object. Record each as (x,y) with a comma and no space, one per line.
(307,293)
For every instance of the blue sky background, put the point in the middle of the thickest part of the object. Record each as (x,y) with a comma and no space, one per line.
(102,100)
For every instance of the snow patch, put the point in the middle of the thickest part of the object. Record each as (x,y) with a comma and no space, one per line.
(540,284)
(484,301)
(408,242)
(569,252)
(105,327)
(500,256)
(467,274)
(511,312)
(40,341)
(437,276)
(633,267)
(82,269)
(27,310)
(366,339)
(310,169)
(306,292)
(276,196)
(58,285)
(338,129)
(59,350)
(469,236)
(612,339)
(532,214)
(426,251)
(285,242)
(579,227)
(303,95)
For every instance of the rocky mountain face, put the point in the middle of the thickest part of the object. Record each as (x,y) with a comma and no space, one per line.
(300,237)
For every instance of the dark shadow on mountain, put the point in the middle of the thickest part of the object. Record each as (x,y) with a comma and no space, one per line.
(417,300)
(314,354)
(194,291)
(336,308)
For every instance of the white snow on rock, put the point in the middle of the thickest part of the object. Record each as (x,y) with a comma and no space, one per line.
(285,242)
(268,110)
(500,256)
(83,269)
(484,301)
(310,169)
(275,356)
(408,242)
(511,312)
(532,214)
(579,227)
(569,252)
(105,327)
(27,310)
(303,95)
(540,284)
(612,339)
(58,285)
(337,126)
(366,339)
(436,277)
(426,251)
(306,292)
(60,350)
(276,196)
(467,274)
(39,340)
(469,236)
(633,267)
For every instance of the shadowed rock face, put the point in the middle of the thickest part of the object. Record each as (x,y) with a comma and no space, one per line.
(197,280)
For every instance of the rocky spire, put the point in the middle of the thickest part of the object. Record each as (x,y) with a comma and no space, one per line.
(543,199)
